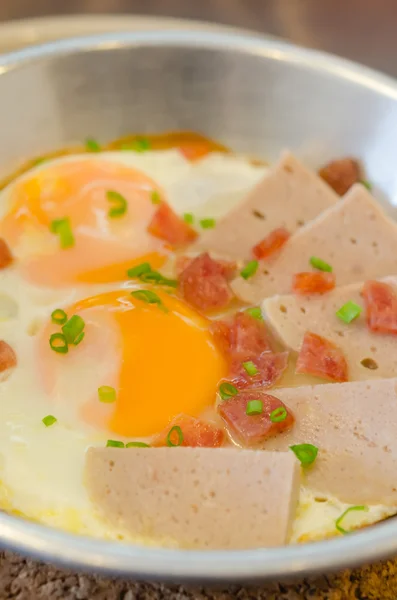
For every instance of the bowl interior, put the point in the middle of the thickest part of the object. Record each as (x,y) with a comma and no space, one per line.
(257,96)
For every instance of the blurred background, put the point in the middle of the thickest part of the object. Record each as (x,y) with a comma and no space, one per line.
(362,30)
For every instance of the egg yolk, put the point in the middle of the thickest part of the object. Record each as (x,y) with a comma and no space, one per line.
(104,246)
(160,358)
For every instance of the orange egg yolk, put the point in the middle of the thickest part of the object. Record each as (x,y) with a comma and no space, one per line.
(104,247)
(161,359)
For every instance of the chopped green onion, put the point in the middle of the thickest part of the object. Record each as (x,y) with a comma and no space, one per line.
(255,312)
(366,184)
(278,414)
(317,263)
(343,515)
(207,223)
(73,328)
(179,433)
(155,197)
(250,269)
(254,407)
(158,278)
(250,368)
(63,228)
(149,297)
(59,343)
(79,339)
(138,145)
(59,316)
(39,161)
(137,445)
(120,204)
(114,444)
(188,218)
(49,420)
(136,272)
(107,394)
(349,311)
(92,145)
(306,453)
(227,390)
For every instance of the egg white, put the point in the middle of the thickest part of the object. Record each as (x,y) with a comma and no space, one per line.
(41,469)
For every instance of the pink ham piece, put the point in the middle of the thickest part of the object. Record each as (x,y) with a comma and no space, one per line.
(354,427)
(321,358)
(203,284)
(269,368)
(380,302)
(198,497)
(289,196)
(253,430)
(243,334)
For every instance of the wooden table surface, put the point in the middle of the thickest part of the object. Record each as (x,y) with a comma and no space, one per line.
(363,30)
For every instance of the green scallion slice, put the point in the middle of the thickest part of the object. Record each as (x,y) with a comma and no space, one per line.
(250,269)
(59,343)
(119,203)
(250,368)
(79,339)
(306,453)
(114,444)
(155,197)
(178,431)
(320,264)
(49,420)
(158,278)
(138,145)
(188,218)
(343,515)
(63,229)
(137,445)
(349,311)
(59,316)
(136,272)
(255,312)
(39,161)
(366,184)
(254,407)
(73,328)
(227,390)
(92,145)
(149,297)
(207,223)
(278,415)
(107,394)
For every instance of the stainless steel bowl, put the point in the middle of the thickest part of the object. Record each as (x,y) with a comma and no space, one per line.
(256,95)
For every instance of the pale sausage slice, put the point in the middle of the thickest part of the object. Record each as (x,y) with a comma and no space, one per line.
(288,196)
(198,497)
(354,236)
(354,427)
(369,355)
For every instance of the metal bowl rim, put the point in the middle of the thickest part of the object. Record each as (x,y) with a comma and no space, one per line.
(117,558)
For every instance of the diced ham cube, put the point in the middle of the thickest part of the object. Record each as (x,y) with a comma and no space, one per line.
(242,335)
(313,283)
(321,358)
(272,243)
(381,307)
(8,358)
(204,285)
(195,432)
(270,367)
(341,174)
(252,430)
(6,257)
(228,268)
(168,226)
